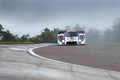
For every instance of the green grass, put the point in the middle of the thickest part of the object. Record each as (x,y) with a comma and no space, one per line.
(16,43)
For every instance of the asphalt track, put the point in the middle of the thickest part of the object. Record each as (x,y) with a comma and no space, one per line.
(104,56)
(16,63)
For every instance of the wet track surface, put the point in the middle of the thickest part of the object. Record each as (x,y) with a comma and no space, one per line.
(104,56)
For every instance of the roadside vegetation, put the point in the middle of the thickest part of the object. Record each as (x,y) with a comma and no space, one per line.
(93,35)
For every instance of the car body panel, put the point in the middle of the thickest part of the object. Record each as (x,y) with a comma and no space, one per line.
(65,37)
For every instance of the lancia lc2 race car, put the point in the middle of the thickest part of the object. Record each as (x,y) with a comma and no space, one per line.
(68,37)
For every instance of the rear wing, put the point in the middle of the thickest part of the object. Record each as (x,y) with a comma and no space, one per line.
(80,31)
(61,32)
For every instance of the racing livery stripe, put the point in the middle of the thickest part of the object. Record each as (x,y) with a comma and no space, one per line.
(61,37)
(83,37)
(79,37)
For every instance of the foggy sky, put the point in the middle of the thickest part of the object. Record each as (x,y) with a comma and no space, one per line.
(32,16)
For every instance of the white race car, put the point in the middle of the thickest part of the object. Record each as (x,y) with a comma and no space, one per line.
(68,37)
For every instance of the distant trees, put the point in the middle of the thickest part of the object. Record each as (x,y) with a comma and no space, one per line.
(67,28)
(108,35)
(93,35)
(54,34)
(36,39)
(24,38)
(46,36)
(116,30)
(49,36)
(113,35)
(6,36)
(78,28)
(1,28)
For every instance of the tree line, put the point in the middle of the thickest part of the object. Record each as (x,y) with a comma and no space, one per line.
(93,35)
(46,36)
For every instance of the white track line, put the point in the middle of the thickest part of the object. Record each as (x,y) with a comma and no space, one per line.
(34,54)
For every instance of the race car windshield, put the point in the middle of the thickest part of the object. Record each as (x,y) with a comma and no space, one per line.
(69,34)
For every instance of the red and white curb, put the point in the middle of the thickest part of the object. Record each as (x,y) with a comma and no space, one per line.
(28,47)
